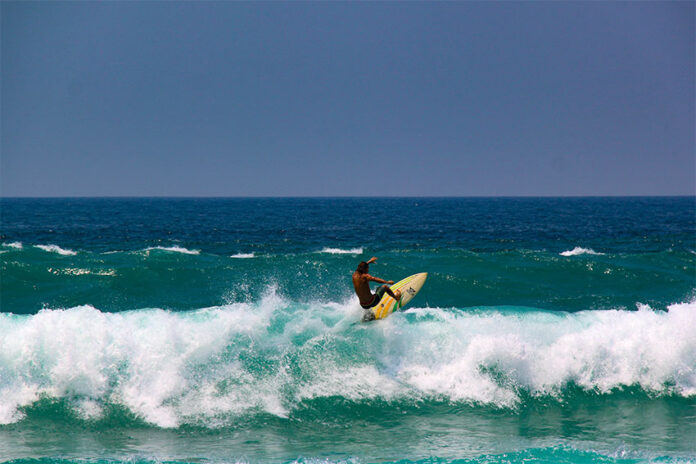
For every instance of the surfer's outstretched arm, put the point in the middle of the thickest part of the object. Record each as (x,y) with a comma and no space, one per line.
(396,296)
(377,279)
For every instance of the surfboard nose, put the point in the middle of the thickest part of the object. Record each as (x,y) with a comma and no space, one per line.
(419,279)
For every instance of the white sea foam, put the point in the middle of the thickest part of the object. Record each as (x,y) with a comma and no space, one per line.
(15,245)
(56,249)
(340,251)
(80,271)
(580,251)
(69,271)
(105,272)
(243,255)
(174,249)
(201,366)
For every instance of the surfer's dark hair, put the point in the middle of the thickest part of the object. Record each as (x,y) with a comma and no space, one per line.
(362,267)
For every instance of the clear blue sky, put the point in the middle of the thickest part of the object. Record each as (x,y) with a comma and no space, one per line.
(347,98)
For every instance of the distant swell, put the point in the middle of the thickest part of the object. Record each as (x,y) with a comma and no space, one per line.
(340,251)
(56,249)
(580,251)
(174,249)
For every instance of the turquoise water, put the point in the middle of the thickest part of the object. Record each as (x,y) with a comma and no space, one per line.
(226,330)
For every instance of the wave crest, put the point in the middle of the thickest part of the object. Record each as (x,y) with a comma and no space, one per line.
(173,249)
(243,255)
(580,251)
(340,251)
(56,249)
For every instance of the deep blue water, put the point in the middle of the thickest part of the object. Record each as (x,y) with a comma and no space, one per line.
(226,330)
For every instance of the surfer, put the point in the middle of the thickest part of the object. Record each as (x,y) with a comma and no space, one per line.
(361,280)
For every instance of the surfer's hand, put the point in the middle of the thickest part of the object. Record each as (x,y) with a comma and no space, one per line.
(390,282)
(373,259)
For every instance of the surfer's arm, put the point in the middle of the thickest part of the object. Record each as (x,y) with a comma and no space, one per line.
(377,279)
(372,260)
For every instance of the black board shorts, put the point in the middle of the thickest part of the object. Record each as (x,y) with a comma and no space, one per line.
(379,293)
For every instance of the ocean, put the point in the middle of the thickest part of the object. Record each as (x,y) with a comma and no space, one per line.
(149,330)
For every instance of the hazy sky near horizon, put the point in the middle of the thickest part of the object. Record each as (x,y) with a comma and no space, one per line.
(347,98)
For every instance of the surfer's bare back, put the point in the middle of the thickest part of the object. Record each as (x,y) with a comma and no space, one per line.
(361,280)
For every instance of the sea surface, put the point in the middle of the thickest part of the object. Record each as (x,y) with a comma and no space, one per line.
(552,330)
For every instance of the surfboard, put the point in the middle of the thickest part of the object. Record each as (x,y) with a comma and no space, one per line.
(409,287)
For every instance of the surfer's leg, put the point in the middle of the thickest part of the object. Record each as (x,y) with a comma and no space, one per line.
(396,296)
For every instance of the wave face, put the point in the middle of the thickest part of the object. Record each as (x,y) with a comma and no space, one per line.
(212,366)
(124,280)
(183,254)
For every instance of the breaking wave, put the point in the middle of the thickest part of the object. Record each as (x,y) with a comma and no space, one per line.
(214,365)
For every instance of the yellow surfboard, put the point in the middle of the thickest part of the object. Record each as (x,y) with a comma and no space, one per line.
(409,287)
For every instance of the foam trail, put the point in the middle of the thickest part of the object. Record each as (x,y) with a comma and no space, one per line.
(56,249)
(340,251)
(16,245)
(80,271)
(69,271)
(213,365)
(243,255)
(580,251)
(174,249)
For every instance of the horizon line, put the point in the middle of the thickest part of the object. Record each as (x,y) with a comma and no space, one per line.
(164,197)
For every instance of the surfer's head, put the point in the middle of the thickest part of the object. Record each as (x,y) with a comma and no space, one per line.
(363,267)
